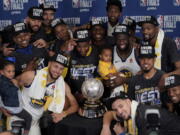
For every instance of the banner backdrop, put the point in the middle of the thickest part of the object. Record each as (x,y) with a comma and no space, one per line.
(77,12)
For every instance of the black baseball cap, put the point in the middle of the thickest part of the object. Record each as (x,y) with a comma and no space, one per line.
(57,21)
(47,6)
(60,58)
(19,28)
(172,81)
(35,13)
(96,21)
(121,29)
(148,19)
(82,35)
(131,23)
(109,101)
(146,50)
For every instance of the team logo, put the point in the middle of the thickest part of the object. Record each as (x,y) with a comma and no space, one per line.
(143,3)
(160,19)
(126,72)
(13,5)
(137,87)
(6,4)
(150,4)
(123,2)
(84,5)
(176,2)
(75,3)
(177,41)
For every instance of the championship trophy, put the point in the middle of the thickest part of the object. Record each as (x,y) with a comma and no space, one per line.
(92,89)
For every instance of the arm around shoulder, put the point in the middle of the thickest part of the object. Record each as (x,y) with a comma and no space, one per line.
(25,78)
(108,117)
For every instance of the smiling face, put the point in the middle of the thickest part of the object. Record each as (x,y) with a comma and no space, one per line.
(55,69)
(122,42)
(149,31)
(98,33)
(147,64)
(113,14)
(174,94)
(122,108)
(22,39)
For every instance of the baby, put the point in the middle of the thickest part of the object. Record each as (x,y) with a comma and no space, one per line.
(10,95)
(106,68)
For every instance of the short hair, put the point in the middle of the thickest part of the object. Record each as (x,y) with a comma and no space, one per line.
(115,3)
(4,63)
(109,101)
(106,47)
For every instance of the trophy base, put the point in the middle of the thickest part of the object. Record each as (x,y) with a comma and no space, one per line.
(92,109)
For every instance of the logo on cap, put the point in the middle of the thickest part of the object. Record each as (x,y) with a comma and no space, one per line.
(169,80)
(19,27)
(148,19)
(146,50)
(96,21)
(121,29)
(128,21)
(82,34)
(37,12)
(62,59)
(57,21)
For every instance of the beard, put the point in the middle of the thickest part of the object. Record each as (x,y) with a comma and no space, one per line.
(52,77)
(146,70)
(126,48)
(149,37)
(33,28)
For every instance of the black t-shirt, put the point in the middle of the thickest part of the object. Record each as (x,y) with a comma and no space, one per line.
(56,46)
(169,56)
(177,108)
(50,36)
(81,68)
(38,35)
(145,90)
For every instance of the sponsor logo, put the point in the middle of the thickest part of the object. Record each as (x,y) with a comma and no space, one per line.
(50,2)
(176,2)
(13,4)
(83,5)
(72,21)
(102,18)
(150,4)
(4,23)
(177,41)
(160,19)
(167,22)
(123,2)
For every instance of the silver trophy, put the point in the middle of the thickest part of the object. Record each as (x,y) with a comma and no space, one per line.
(92,89)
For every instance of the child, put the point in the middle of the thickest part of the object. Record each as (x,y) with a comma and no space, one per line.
(106,68)
(10,95)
